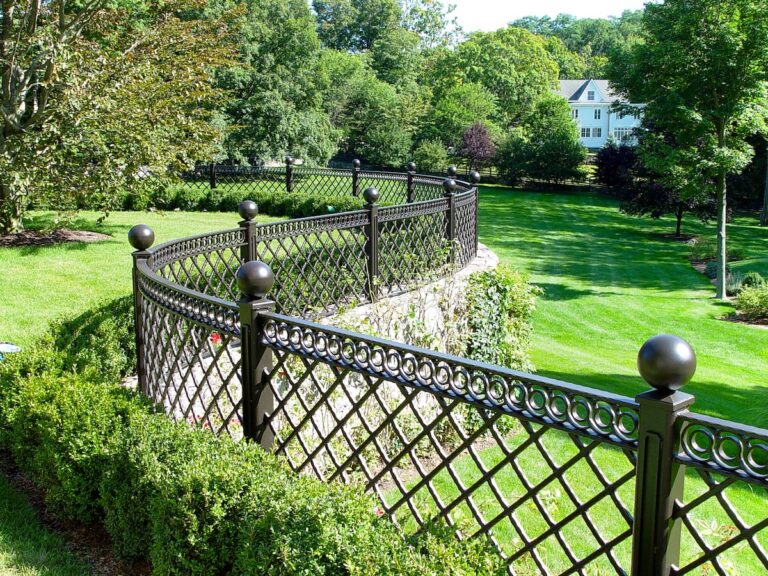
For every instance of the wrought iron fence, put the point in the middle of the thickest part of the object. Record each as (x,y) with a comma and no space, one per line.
(562,479)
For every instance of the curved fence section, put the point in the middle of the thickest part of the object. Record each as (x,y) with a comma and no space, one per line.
(561,479)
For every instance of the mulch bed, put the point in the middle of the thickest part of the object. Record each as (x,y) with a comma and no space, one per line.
(37,238)
(90,543)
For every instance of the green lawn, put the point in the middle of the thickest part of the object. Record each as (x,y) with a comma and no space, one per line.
(611,281)
(26,548)
(40,284)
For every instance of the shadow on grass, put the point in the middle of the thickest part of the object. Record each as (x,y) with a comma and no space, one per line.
(584,237)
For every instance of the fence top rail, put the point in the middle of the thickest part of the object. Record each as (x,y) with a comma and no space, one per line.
(598,415)
(728,448)
(186,302)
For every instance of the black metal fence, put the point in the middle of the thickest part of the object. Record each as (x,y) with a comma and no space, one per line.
(562,479)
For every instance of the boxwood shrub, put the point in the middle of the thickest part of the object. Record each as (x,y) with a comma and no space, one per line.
(190,502)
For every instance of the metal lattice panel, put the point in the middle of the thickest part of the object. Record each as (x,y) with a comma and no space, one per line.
(206,263)
(192,370)
(430,445)
(392,186)
(330,185)
(725,509)
(466,228)
(319,263)
(413,248)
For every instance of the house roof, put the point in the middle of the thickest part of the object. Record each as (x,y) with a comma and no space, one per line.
(573,89)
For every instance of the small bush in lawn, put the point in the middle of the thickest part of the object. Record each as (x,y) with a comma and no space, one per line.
(752,278)
(710,270)
(734,283)
(705,249)
(752,303)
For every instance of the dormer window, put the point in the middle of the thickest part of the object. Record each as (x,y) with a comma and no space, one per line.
(591,95)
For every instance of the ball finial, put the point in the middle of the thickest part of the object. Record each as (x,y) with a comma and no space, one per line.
(141,237)
(474,177)
(411,166)
(371,195)
(666,362)
(289,160)
(452,171)
(449,185)
(356,164)
(255,279)
(248,210)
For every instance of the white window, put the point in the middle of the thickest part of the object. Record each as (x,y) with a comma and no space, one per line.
(622,135)
(575,113)
(585,133)
(598,113)
(591,95)
(597,132)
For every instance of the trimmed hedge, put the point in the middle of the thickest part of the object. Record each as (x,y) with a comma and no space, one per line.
(191,502)
(227,199)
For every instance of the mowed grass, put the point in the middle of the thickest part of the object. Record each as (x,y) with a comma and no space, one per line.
(39,284)
(611,281)
(26,548)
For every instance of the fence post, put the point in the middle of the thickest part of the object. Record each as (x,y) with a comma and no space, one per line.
(355,177)
(141,237)
(667,363)
(212,175)
(411,189)
(255,279)
(474,178)
(371,195)
(449,187)
(289,173)
(248,210)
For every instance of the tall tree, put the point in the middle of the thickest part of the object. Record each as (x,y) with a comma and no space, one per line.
(355,25)
(703,63)
(92,92)
(512,64)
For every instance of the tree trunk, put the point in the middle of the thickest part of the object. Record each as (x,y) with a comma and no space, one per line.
(721,233)
(679,216)
(10,210)
(764,211)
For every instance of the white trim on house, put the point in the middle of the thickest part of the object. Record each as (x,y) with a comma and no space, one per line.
(596,120)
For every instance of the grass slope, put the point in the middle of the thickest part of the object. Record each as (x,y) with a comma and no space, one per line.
(611,281)
(26,548)
(42,283)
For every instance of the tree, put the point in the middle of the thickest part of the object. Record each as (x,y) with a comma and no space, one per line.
(395,56)
(459,107)
(648,197)
(703,64)
(546,147)
(615,166)
(432,21)
(477,145)
(355,25)
(511,63)
(431,156)
(92,95)
(274,104)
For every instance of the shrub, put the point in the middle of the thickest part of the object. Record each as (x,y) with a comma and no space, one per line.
(431,156)
(752,278)
(614,166)
(705,249)
(734,283)
(64,431)
(192,502)
(752,303)
(710,270)
(500,305)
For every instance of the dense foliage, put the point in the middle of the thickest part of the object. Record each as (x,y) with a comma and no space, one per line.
(187,500)
(752,302)
(500,306)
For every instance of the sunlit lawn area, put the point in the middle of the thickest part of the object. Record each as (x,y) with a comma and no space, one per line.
(40,284)
(611,281)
